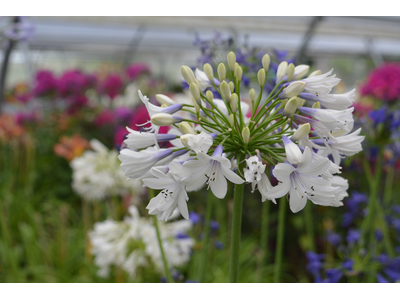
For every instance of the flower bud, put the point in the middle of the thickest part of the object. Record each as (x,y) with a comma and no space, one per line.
(186,128)
(231,61)
(185,139)
(221,72)
(290,72)
(195,91)
(265,62)
(252,94)
(294,89)
(232,120)
(239,73)
(163,119)
(290,107)
(261,77)
(281,72)
(162,99)
(231,86)
(246,135)
(234,102)
(187,74)
(315,73)
(209,72)
(301,132)
(225,91)
(210,96)
(300,102)
(316,105)
(300,71)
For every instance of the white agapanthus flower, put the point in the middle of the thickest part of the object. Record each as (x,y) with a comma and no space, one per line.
(133,243)
(211,170)
(210,133)
(97,174)
(300,178)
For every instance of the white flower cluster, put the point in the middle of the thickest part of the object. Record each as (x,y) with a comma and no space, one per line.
(222,133)
(97,174)
(133,243)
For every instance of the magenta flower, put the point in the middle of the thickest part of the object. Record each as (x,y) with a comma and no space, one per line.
(112,85)
(45,83)
(137,69)
(383,83)
(72,83)
(106,117)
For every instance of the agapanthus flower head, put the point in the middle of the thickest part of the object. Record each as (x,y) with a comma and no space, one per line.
(97,174)
(223,138)
(383,83)
(133,243)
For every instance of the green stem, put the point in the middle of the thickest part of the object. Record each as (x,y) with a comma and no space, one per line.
(388,186)
(165,262)
(279,239)
(206,237)
(264,233)
(236,226)
(309,226)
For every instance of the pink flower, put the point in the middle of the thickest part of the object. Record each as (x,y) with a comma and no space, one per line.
(76,103)
(106,117)
(137,69)
(74,82)
(112,85)
(383,83)
(45,83)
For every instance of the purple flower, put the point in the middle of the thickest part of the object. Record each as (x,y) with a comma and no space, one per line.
(333,275)
(181,236)
(333,238)
(353,236)
(315,262)
(194,217)
(381,279)
(214,225)
(348,264)
(219,245)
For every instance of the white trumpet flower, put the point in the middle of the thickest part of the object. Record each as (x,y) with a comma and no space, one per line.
(212,170)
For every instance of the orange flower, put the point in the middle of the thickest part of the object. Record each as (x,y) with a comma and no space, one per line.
(9,128)
(71,147)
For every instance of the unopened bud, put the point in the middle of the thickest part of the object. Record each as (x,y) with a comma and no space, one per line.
(232,120)
(281,72)
(265,62)
(187,74)
(234,102)
(300,71)
(164,105)
(163,119)
(221,70)
(186,128)
(210,96)
(301,132)
(225,91)
(300,102)
(261,77)
(294,89)
(290,72)
(316,105)
(290,107)
(252,94)
(239,73)
(185,139)
(231,86)
(231,61)
(195,91)
(246,135)
(162,99)
(315,73)
(209,72)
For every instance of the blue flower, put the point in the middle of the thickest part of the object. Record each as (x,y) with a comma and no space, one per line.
(333,238)
(214,225)
(333,275)
(378,235)
(181,236)
(353,236)
(381,279)
(378,116)
(348,264)
(194,217)
(315,262)
(219,245)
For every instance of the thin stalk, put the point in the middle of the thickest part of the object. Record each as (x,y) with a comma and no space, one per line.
(309,226)
(388,186)
(279,239)
(165,262)
(264,233)
(236,226)
(206,237)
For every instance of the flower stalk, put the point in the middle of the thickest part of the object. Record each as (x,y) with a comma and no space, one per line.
(280,239)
